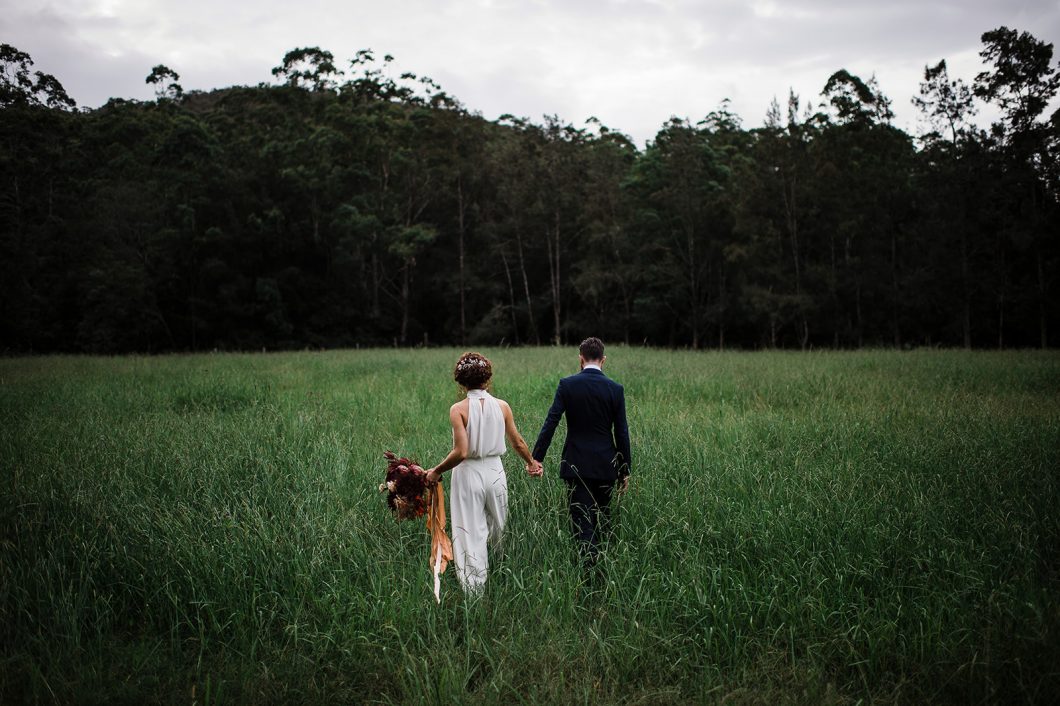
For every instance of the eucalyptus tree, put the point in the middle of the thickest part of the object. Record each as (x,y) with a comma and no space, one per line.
(864,166)
(946,173)
(310,67)
(772,208)
(607,275)
(759,237)
(18,86)
(39,189)
(457,142)
(165,81)
(405,176)
(676,180)
(561,182)
(512,212)
(856,101)
(127,209)
(947,104)
(723,132)
(1022,81)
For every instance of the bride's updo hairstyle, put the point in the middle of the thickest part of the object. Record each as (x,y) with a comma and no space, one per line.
(473,371)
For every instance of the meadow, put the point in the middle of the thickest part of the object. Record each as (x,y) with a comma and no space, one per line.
(829,527)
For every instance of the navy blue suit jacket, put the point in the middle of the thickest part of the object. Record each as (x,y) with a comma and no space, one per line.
(597,445)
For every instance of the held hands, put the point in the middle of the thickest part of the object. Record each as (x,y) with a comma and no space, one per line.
(534,468)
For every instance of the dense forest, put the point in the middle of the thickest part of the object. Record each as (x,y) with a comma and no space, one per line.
(352,207)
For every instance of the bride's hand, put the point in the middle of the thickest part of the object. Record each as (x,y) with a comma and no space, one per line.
(433,476)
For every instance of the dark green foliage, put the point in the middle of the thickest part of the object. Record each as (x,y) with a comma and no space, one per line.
(359,208)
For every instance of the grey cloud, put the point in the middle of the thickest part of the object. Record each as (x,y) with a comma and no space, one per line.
(632,63)
(882,34)
(91,74)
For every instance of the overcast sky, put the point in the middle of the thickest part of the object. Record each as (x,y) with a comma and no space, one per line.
(631,63)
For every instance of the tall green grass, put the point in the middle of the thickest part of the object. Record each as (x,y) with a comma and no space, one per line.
(801,528)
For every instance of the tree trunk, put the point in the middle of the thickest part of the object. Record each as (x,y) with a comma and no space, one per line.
(857,304)
(1001,296)
(895,326)
(721,309)
(405,300)
(375,278)
(460,231)
(1042,328)
(526,289)
(1042,323)
(18,215)
(853,325)
(693,285)
(833,290)
(511,296)
(1001,321)
(629,316)
(793,233)
(622,283)
(554,275)
(194,294)
(381,206)
(314,214)
(966,290)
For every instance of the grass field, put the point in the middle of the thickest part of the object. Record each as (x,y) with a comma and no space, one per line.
(801,528)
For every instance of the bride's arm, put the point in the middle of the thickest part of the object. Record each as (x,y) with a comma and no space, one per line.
(516,439)
(459,451)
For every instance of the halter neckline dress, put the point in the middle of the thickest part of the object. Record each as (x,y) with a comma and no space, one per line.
(479,492)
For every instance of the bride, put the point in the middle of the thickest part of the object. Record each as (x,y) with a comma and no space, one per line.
(479,491)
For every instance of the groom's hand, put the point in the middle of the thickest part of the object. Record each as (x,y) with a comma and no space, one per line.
(534,468)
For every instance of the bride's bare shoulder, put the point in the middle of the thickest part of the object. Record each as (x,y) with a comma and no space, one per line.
(458,413)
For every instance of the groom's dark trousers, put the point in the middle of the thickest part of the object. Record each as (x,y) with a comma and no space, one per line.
(595,454)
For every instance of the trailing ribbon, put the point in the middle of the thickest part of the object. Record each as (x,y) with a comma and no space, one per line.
(441,547)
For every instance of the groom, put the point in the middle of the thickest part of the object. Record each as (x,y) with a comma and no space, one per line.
(596,454)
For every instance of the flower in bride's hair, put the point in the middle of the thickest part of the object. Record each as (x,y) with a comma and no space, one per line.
(468,363)
(472,370)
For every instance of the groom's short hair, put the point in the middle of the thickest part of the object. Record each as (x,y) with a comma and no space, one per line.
(592,348)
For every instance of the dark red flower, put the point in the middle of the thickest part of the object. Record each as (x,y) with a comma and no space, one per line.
(406,487)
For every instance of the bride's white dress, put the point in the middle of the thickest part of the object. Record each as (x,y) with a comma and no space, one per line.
(479,491)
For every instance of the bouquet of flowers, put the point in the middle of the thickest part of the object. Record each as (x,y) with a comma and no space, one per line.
(408,495)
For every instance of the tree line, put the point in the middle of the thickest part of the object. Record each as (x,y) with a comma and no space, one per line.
(358,207)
